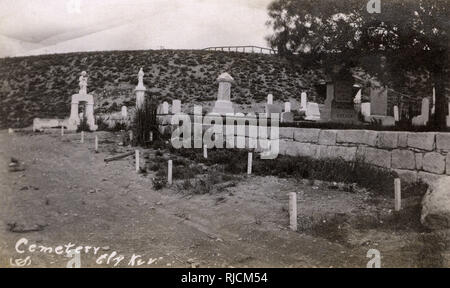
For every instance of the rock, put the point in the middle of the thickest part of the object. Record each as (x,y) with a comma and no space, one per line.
(436,205)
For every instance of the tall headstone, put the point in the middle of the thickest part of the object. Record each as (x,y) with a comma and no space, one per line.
(339,106)
(396,114)
(270,99)
(82,96)
(378,101)
(424,117)
(304,101)
(448,117)
(165,108)
(223,104)
(140,90)
(176,107)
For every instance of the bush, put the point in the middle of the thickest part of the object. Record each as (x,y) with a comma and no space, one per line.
(145,123)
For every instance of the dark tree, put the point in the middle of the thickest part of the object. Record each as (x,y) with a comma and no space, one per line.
(409,38)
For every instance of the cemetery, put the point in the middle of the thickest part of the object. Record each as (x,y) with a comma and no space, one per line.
(123,169)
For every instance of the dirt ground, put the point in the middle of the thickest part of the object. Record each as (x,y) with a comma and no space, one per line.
(67,195)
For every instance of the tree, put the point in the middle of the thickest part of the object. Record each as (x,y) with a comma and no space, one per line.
(408,38)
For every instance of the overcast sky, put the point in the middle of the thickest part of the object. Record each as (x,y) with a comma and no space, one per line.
(49,26)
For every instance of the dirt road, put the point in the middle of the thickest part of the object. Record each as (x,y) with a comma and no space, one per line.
(72,197)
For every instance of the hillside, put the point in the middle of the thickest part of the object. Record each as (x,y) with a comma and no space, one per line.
(41,86)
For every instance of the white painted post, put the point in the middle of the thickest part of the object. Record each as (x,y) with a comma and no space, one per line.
(96,144)
(293,211)
(169,172)
(131,136)
(398,194)
(205,152)
(62,130)
(151,136)
(396,114)
(138,168)
(250,163)
(82,137)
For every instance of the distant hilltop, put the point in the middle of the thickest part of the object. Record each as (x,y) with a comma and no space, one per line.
(41,86)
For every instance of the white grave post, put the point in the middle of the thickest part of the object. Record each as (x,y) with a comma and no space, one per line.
(287,107)
(96,144)
(270,99)
(124,112)
(396,114)
(62,130)
(250,163)
(165,108)
(140,90)
(138,168)
(365,109)
(293,211)
(205,151)
(398,194)
(304,101)
(169,172)
(82,137)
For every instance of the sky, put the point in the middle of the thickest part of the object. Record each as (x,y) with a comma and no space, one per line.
(29,27)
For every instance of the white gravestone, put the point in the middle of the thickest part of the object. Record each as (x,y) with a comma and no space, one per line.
(312,112)
(165,108)
(448,117)
(304,102)
(396,114)
(287,107)
(82,96)
(124,112)
(422,119)
(140,90)
(176,107)
(270,99)
(365,109)
(223,104)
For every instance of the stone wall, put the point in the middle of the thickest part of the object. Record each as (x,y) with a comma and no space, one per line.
(414,156)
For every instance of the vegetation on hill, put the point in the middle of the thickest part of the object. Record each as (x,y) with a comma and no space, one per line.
(42,86)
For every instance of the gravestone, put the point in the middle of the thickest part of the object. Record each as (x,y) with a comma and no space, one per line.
(287,107)
(140,89)
(304,101)
(365,109)
(270,99)
(339,106)
(396,114)
(424,117)
(82,96)
(378,101)
(312,112)
(165,108)
(448,117)
(223,104)
(287,117)
(176,107)
(124,112)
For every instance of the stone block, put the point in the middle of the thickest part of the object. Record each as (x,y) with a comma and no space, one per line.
(306,135)
(387,140)
(378,157)
(341,152)
(350,136)
(403,159)
(443,141)
(286,133)
(407,175)
(403,139)
(434,162)
(327,137)
(422,141)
